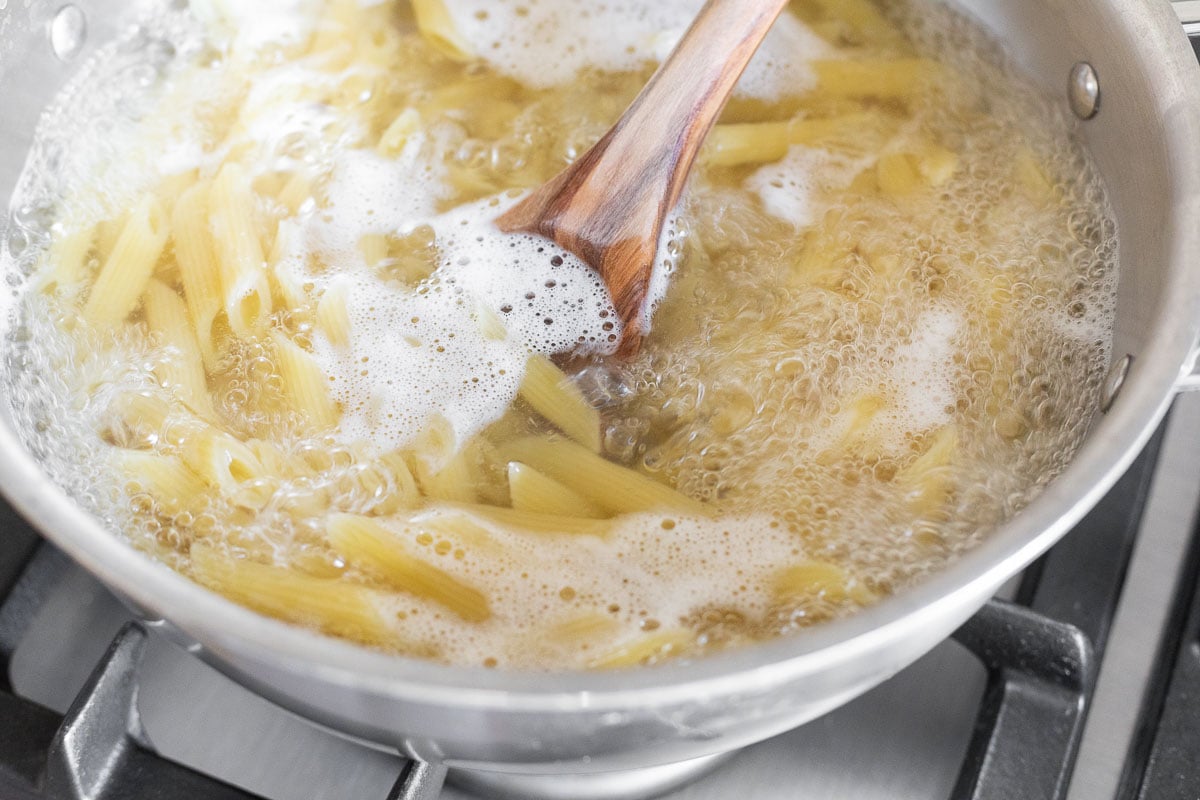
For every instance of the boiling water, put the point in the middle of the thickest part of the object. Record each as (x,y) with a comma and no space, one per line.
(844,375)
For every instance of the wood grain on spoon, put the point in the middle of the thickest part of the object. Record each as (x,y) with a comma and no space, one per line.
(609,206)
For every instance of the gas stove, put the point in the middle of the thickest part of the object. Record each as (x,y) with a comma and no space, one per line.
(1080,681)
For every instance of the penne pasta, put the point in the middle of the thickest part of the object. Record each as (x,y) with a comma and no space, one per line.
(530,490)
(173,485)
(437,26)
(612,487)
(900,78)
(242,265)
(334,606)
(198,268)
(333,317)
(646,650)
(182,370)
(928,480)
(128,268)
(731,145)
(553,395)
(818,579)
(367,544)
(305,385)
(531,521)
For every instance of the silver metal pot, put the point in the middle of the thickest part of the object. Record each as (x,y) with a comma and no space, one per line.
(1146,140)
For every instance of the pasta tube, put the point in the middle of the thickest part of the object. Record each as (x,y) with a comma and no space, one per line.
(333,606)
(437,26)
(530,490)
(365,543)
(553,395)
(128,268)
(172,484)
(647,649)
(246,293)
(183,370)
(198,268)
(307,387)
(614,488)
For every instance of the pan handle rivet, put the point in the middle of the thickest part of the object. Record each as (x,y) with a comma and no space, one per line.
(1083,90)
(1114,381)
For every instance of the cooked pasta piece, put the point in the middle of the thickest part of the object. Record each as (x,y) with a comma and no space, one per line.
(732,144)
(365,543)
(219,458)
(531,521)
(819,579)
(333,317)
(182,372)
(198,268)
(900,78)
(530,490)
(437,26)
(173,485)
(453,481)
(245,290)
(128,268)
(398,133)
(65,265)
(647,649)
(556,397)
(929,480)
(306,386)
(614,488)
(334,606)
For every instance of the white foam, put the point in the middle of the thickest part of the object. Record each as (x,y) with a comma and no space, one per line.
(922,377)
(423,353)
(546,44)
(253,25)
(787,188)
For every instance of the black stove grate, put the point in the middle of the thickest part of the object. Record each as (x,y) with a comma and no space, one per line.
(1041,652)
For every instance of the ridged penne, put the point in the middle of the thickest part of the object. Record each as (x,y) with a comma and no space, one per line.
(732,144)
(365,543)
(819,579)
(436,516)
(333,316)
(128,268)
(899,78)
(928,480)
(245,290)
(553,395)
(334,606)
(398,133)
(182,371)
(530,490)
(65,265)
(647,649)
(305,385)
(612,487)
(173,485)
(198,268)
(437,26)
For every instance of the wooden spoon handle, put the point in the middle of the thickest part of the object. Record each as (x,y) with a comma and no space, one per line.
(608,207)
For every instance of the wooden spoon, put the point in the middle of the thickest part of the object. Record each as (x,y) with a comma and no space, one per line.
(609,206)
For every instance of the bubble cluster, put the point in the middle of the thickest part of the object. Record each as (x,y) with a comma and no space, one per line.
(515,36)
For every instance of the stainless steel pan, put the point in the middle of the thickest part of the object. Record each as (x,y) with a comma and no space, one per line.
(1146,140)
